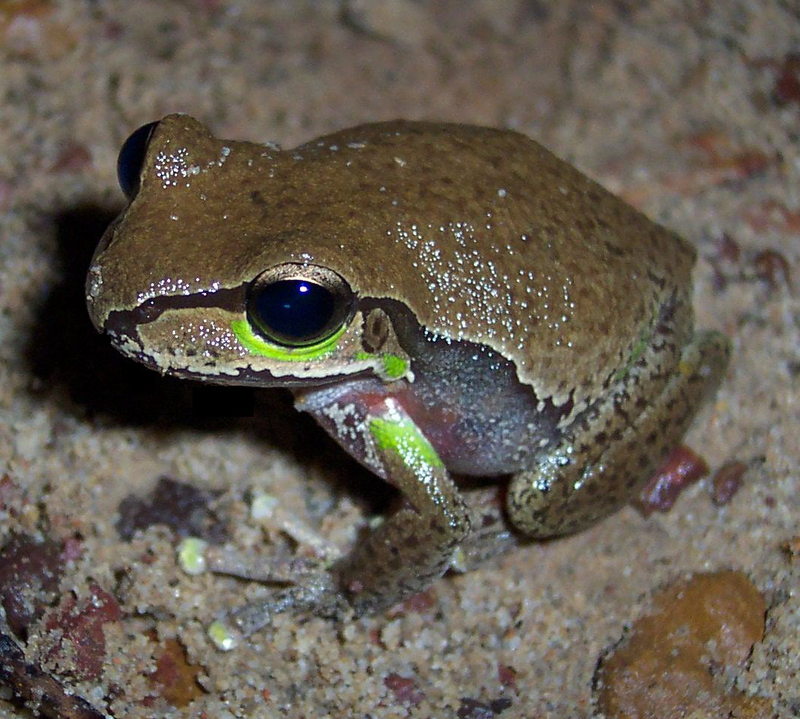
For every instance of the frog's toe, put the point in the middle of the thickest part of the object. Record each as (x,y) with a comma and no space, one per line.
(312,588)
(319,595)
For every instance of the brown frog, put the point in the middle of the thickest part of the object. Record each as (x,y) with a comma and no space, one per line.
(449,302)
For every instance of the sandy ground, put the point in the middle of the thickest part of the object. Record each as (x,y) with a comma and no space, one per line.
(690,110)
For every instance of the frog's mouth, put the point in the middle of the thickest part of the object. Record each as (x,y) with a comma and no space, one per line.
(209,371)
(193,337)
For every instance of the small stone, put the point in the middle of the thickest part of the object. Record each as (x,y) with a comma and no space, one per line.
(404,689)
(680,469)
(191,555)
(222,636)
(668,664)
(30,572)
(727,481)
(185,509)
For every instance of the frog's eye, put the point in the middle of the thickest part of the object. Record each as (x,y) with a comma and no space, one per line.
(131,159)
(299,305)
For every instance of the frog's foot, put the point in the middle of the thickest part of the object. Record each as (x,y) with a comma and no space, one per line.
(401,556)
(318,594)
(317,589)
(490,535)
(309,586)
(306,578)
(599,466)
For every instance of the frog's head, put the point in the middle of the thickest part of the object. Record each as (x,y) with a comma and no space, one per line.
(190,281)
(238,262)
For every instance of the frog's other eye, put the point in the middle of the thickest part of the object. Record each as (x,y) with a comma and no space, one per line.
(299,305)
(131,159)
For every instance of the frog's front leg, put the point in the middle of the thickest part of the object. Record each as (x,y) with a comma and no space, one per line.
(607,455)
(414,545)
(407,550)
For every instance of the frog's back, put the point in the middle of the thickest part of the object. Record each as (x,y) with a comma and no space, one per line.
(483,234)
(495,240)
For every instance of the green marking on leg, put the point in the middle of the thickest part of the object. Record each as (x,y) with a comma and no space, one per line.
(259,346)
(645,337)
(405,439)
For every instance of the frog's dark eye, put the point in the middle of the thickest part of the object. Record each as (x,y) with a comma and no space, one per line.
(299,305)
(131,159)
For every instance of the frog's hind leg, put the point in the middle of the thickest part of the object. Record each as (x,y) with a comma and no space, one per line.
(600,462)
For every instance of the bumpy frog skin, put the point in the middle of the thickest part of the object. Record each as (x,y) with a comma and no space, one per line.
(497,336)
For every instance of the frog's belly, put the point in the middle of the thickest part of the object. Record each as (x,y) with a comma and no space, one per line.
(477,437)
(476,430)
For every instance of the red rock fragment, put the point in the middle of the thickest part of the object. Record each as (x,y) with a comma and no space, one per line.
(666,666)
(174,677)
(507,675)
(79,643)
(404,689)
(30,572)
(680,469)
(726,482)
(417,604)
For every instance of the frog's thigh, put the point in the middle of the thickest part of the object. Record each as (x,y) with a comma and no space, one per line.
(598,467)
(415,545)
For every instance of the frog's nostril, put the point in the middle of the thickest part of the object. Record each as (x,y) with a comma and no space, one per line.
(94,286)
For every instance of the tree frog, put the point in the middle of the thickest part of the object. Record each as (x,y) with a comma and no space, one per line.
(485,328)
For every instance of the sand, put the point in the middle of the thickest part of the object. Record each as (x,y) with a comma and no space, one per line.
(689,110)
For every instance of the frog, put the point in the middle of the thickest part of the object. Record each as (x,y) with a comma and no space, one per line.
(506,343)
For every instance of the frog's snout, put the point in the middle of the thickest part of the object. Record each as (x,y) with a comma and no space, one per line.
(94,285)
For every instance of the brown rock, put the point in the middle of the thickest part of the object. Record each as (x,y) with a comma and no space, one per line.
(175,677)
(670,663)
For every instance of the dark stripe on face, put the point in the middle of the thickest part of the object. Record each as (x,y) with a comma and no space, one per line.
(127,322)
